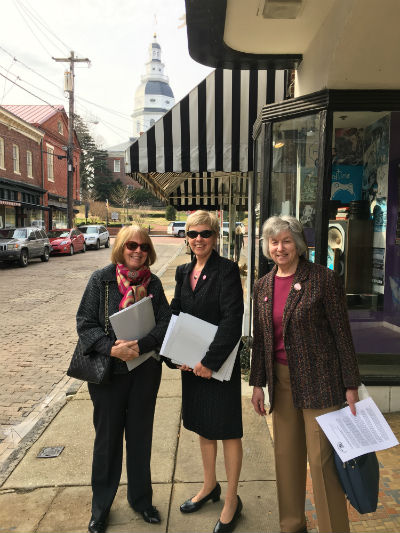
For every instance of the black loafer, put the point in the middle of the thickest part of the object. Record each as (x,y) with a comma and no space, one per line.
(151,515)
(220,527)
(190,507)
(97,526)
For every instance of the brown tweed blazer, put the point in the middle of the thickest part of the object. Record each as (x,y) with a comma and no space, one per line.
(316,333)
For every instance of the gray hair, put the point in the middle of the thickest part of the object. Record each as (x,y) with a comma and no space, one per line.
(275,225)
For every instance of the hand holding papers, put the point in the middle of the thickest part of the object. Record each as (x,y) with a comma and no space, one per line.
(187,340)
(134,322)
(352,436)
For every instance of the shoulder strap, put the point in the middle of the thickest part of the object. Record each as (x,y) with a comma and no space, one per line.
(106,310)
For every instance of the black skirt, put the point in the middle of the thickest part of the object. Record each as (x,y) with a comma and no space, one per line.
(212,408)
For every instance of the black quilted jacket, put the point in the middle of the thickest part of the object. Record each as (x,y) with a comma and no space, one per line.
(90,317)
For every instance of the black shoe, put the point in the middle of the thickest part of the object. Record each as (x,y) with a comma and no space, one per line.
(151,515)
(97,526)
(190,507)
(220,527)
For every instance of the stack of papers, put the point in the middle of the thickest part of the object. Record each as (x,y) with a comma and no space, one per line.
(187,340)
(134,323)
(352,436)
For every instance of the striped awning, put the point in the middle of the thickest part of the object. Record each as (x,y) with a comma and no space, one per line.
(205,141)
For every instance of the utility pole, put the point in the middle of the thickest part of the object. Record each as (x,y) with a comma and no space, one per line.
(70,149)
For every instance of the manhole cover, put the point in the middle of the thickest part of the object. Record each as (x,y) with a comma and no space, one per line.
(51,451)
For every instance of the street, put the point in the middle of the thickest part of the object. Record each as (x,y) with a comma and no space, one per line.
(37,313)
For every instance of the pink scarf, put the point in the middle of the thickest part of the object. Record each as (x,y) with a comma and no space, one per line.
(132,284)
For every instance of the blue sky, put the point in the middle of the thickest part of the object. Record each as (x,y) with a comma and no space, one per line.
(113,35)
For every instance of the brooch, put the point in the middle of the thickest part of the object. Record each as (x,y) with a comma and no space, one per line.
(204,277)
(297,286)
(266,299)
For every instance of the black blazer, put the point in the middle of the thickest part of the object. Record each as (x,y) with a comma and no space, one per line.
(217,298)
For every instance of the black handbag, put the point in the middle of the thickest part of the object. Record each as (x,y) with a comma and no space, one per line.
(92,367)
(359,478)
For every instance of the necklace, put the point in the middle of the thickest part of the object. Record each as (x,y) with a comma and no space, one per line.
(196,274)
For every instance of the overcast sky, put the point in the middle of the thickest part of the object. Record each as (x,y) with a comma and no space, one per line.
(114,35)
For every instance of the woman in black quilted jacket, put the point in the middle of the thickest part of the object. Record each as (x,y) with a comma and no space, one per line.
(125,403)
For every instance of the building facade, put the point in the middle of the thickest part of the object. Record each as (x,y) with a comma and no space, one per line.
(22,192)
(53,122)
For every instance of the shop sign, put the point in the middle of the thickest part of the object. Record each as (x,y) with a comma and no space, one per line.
(13,204)
(114,215)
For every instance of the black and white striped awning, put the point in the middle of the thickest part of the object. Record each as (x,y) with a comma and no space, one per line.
(205,141)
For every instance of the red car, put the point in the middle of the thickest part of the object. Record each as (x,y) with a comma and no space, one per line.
(66,241)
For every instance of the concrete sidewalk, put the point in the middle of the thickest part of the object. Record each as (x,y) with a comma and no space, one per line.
(54,494)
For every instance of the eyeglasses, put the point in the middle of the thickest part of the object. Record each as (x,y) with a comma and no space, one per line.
(132,246)
(205,234)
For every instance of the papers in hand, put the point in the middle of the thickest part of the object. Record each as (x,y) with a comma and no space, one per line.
(187,340)
(135,322)
(352,436)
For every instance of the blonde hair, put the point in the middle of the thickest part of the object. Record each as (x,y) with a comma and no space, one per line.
(203,218)
(126,234)
(275,225)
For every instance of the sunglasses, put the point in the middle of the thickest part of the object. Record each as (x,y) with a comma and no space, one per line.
(132,246)
(205,234)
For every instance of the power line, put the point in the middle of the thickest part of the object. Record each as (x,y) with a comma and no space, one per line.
(26,90)
(40,20)
(30,29)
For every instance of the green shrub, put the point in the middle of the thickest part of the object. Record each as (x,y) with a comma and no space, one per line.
(170,212)
(244,355)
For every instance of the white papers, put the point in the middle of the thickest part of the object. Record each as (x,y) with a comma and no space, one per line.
(135,322)
(352,436)
(187,340)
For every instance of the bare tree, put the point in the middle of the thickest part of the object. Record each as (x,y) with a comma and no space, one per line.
(98,209)
(122,197)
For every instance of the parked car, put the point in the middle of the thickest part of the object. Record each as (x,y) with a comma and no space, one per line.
(226,227)
(95,235)
(66,241)
(177,229)
(22,244)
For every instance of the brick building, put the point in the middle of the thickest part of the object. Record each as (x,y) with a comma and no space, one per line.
(116,164)
(22,191)
(53,122)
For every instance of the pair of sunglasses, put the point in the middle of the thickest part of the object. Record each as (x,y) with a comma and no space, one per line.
(205,234)
(132,246)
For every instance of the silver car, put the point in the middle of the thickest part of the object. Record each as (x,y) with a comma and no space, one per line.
(22,244)
(96,235)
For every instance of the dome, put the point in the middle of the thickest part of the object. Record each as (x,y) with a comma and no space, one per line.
(159,88)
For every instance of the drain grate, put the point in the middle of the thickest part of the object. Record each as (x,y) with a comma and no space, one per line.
(51,451)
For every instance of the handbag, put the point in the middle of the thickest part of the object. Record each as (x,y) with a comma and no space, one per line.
(92,367)
(359,478)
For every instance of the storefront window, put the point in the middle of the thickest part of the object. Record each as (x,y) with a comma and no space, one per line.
(60,219)
(294,173)
(9,217)
(362,227)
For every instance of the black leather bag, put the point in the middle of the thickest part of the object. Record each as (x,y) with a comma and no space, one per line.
(93,367)
(359,478)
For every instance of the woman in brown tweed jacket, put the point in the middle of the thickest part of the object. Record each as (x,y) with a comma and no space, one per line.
(303,351)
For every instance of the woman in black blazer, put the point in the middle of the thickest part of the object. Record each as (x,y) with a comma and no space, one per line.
(210,288)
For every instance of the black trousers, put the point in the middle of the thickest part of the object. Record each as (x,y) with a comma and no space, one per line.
(127,404)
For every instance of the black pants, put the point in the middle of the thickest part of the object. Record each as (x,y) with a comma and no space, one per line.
(127,404)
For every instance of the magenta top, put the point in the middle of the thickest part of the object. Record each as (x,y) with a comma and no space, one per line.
(281,291)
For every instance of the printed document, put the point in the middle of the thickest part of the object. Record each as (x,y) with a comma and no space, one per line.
(187,340)
(135,322)
(352,436)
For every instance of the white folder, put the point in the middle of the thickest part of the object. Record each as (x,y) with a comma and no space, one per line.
(135,322)
(187,340)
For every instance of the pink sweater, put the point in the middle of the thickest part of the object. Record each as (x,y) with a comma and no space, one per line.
(281,291)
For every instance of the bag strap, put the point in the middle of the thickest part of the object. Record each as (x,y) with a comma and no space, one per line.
(106,310)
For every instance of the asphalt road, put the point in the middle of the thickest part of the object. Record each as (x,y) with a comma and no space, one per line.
(37,317)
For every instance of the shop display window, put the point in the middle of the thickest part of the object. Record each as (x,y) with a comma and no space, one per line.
(364,206)
(294,173)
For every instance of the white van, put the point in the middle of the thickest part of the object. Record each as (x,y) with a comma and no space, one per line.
(177,229)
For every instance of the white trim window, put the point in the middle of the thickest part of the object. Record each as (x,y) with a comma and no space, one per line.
(16,158)
(2,153)
(117,165)
(29,164)
(50,162)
